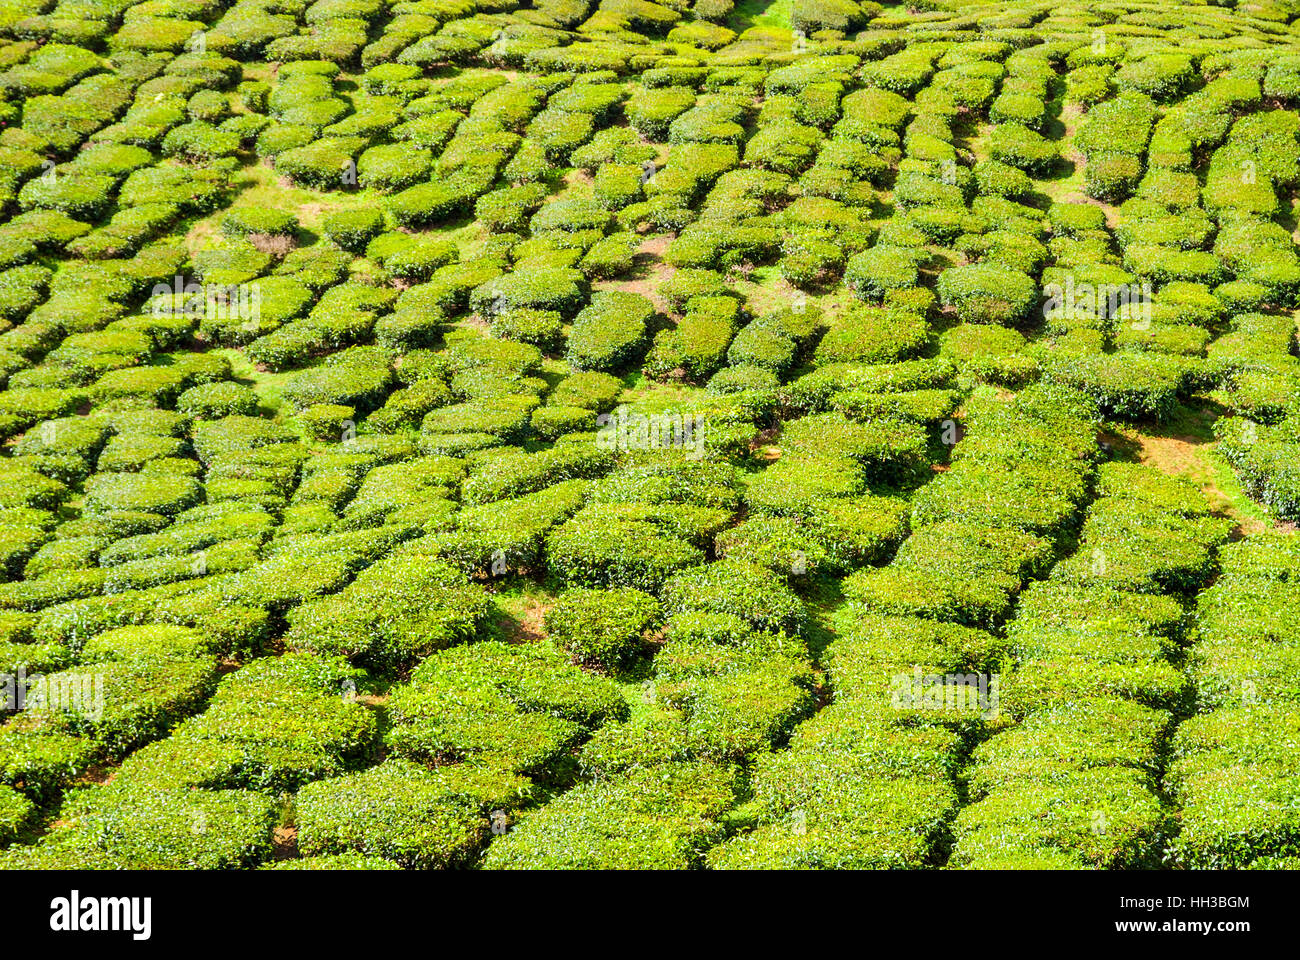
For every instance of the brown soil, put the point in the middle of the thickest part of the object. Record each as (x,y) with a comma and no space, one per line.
(1183,455)
(97,774)
(310,211)
(285,840)
(649,272)
(276,246)
(656,245)
(527,627)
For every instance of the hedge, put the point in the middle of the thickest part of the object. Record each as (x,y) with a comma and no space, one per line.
(542,289)
(864,335)
(801,812)
(991,353)
(401,812)
(505,418)
(1012,828)
(515,473)
(1021,147)
(988,293)
(406,409)
(430,203)
(573,215)
(886,446)
(506,532)
(591,389)
(604,626)
(638,837)
(1161,76)
(212,401)
(510,208)
(791,486)
(1127,385)
(513,708)
(298,725)
(353,229)
(651,111)
(82,197)
(1261,458)
(140,828)
(392,486)
(760,346)
(598,549)
(152,494)
(738,589)
(395,613)
(610,332)
(924,579)
(874,273)
(698,345)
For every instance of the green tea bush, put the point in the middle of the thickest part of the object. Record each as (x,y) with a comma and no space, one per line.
(651,111)
(866,335)
(542,289)
(520,708)
(638,836)
(988,293)
(875,272)
(610,332)
(392,615)
(697,346)
(603,550)
(739,589)
(353,229)
(80,197)
(152,494)
(1130,384)
(401,812)
(212,401)
(1021,147)
(604,626)
(991,353)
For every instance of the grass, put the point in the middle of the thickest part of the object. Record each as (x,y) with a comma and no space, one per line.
(265,384)
(257,184)
(757,13)
(1184,446)
(766,291)
(519,603)
(643,392)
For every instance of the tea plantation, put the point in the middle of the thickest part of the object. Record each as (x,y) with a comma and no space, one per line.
(512,434)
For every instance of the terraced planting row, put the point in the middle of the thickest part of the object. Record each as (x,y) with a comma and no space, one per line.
(447,433)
